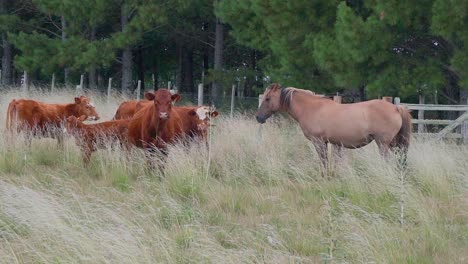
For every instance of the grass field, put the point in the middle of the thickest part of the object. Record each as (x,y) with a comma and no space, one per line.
(256,197)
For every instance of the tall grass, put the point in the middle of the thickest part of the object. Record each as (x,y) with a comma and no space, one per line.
(260,199)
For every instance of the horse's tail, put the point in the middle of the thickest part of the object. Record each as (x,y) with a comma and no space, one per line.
(402,139)
(11,111)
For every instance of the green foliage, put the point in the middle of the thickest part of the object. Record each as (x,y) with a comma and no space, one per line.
(285,31)
(398,48)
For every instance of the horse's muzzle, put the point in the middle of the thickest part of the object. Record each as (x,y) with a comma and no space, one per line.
(261,119)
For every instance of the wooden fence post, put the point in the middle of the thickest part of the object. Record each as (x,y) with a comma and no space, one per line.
(388,99)
(154,81)
(464,128)
(200,94)
(138,89)
(81,82)
(52,87)
(169,85)
(25,83)
(259,131)
(397,101)
(233,94)
(109,90)
(421,114)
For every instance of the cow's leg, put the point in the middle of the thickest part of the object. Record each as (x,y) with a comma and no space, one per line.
(60,140)
(28,138)
(321,148)
(152,163)
(86,152)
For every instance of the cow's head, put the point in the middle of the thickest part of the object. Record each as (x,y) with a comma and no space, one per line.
(201,116)
(73,122)
(85,108)
(163,100)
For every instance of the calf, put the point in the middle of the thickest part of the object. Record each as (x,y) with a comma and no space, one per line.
(91,137)
(195,120)
(46,120)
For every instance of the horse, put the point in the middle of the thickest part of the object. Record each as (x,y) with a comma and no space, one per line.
(345,125)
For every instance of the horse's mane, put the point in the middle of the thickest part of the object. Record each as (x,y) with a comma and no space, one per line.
(286,95)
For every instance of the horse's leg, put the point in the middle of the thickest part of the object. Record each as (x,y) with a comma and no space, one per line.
(337,151)
(401,155)
(384,148)
(321,148)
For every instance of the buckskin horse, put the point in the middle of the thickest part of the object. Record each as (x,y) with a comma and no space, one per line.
(349,125)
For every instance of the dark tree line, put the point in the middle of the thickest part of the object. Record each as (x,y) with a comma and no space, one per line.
(367,47)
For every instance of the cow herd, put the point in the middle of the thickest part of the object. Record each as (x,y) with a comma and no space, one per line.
(151,124)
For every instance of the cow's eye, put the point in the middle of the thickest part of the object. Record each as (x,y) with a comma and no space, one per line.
(268,99)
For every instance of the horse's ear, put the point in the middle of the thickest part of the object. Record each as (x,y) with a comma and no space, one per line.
(275,87)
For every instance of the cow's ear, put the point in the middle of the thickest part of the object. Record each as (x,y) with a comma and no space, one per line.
(77,100)
(192,113)
(149,96)
(175,98)
(214,114)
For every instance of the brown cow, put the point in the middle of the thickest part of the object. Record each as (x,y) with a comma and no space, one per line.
(46,120)
(91,137)
(146,124)
(185,124)
(128,109)
(196,120)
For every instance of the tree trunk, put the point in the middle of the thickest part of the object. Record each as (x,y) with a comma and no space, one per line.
(92,68)
(188,71)
(141,67)
(179,73)
(155,74)
(362,93)
(126,56)
(218,59)
(250,81)
(6,62)
(64,38)
(7,71)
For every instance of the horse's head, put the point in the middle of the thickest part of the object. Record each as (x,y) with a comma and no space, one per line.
(83,107)
(163,102)
(270,103)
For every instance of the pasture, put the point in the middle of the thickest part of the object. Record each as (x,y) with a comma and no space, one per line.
(254,197)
